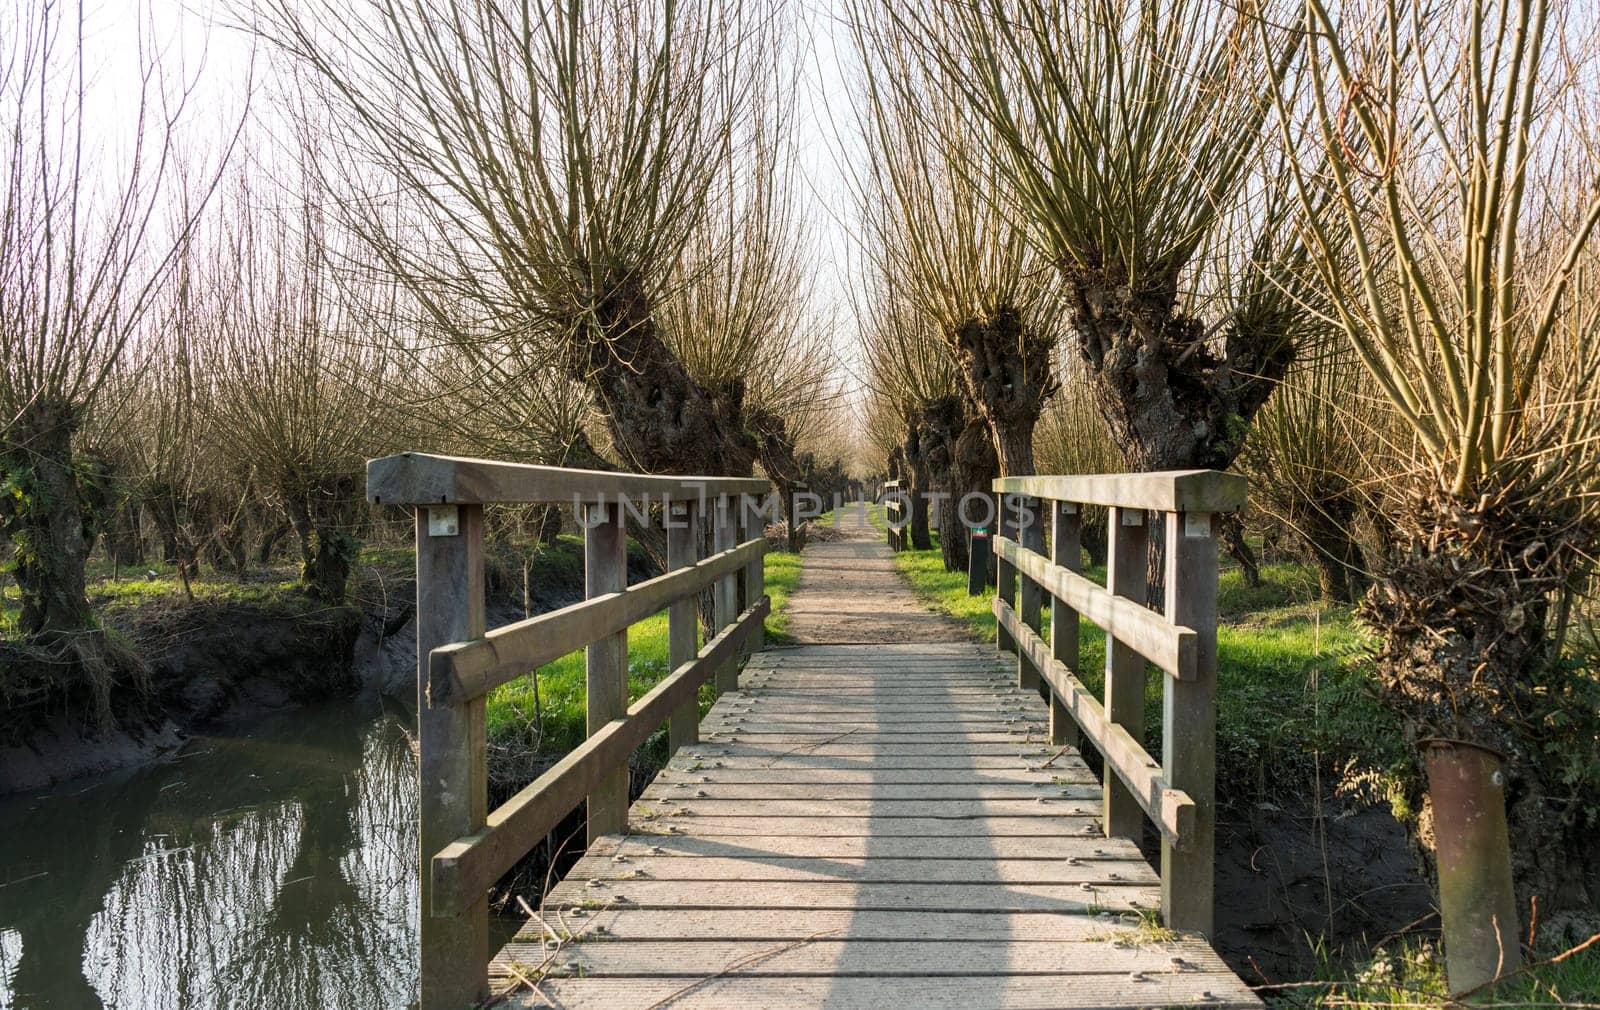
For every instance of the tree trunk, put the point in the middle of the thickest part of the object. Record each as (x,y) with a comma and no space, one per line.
(49,520)
(1341,568)
(123,541)
(271,535)
(1239,548)
(917,463)
(660,419)
(1468,654)
(50,515)
(324,519)
(1008,375)
(942,421)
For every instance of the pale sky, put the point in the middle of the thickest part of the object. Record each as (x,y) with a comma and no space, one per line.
(193,35)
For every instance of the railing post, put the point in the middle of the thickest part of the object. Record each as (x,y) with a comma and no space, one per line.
(681,519)
(1066,550)
(1125,669)
(722,598)
(755,573)
(1030,537)
(1189,718)
(605,557)
(1005,575)
(452,771)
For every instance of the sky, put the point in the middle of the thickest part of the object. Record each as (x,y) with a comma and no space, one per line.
(195,40)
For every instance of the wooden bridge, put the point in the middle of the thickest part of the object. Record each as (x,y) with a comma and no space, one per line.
(885,814)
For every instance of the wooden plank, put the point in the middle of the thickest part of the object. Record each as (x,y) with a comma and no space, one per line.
(1171,809)
(453,794)
(760,924)
(1066,551)
(1021,992)
(605,570)
(828,789)
(1127,577)
(416,478)
(667,821)
(764,847)
(866,760)
(683,623)
(795,753)
(839,956)
(1160,491)
(885,726)
(465,869)
(1080,802)
(866,778)
(647,924)
(1189,719)
(473,668)
(799,898)
(755,578)
(917,869)
(1131,624)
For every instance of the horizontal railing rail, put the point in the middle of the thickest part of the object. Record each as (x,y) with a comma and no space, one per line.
(463,846)
(1177,792)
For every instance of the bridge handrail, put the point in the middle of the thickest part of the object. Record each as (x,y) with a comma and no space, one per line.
(1177,793)
(464,847)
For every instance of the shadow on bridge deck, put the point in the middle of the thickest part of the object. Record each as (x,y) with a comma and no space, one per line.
(872,821)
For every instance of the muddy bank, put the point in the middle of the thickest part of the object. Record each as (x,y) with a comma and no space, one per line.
(208,663)
(1346,877)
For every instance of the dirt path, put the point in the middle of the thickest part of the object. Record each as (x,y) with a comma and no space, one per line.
(850,593)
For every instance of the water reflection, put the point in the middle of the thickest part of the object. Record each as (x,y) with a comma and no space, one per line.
(267,869)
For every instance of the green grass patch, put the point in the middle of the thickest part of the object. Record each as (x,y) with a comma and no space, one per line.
(548,710)
(1411,973)
(782,575)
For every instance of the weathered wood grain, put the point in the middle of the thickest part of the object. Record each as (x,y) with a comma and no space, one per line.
(856,832)
(417,478)
(1160,491)
(463,870)
(1134,627)
(1112,991)
(473,668)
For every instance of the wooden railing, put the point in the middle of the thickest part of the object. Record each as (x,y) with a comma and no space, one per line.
(1177,792)
(465,847)
(896,513)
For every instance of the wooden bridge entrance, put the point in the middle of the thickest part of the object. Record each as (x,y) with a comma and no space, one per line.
(885,814)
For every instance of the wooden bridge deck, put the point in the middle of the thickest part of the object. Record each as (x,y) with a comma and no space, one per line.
(865,825)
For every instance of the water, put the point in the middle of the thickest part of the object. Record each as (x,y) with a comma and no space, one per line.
(272,867)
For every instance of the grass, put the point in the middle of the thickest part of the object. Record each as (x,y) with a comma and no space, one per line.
(1410,973)
(547,711)
(1293,696)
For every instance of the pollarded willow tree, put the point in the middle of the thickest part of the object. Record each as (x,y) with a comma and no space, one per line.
(559,158)
(740,313)
(1316,459)
(911,379)
(300,355)
(958,258)
(1457,147)
(84,246)
(1132,144)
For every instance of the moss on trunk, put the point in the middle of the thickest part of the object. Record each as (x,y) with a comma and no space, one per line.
(1468,652)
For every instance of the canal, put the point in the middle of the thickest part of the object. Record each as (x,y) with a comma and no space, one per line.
(268,867)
